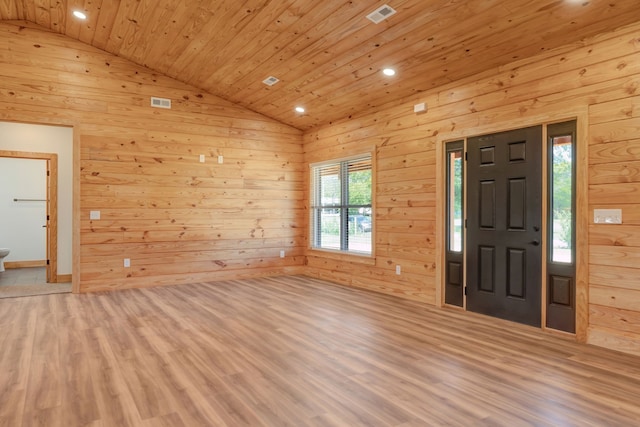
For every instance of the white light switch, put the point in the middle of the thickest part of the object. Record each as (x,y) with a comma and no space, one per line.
(127,262)
(94,215)
(607,216)
(201,158)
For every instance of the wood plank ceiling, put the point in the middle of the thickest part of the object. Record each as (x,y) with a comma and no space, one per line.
(327,55)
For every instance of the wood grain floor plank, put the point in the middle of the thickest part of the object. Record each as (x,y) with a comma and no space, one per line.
(294,351)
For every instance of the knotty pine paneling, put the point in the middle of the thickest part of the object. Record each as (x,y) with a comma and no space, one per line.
(327,55)
(177,219)
(597,80)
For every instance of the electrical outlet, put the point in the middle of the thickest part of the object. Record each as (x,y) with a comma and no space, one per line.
(220,160)
(201,158)
(281,254)
(127,262)
(94,215)
(398,270)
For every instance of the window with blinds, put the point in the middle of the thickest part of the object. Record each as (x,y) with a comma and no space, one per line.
(341,214)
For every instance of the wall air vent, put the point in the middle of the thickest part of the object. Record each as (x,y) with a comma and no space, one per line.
(270,81)
(380,14)
(160,102)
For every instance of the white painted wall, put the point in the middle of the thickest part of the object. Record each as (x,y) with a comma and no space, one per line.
(48,139)
(21,221)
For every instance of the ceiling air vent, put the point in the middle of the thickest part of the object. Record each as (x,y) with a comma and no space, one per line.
(380,14)
(270,81)
(160,102)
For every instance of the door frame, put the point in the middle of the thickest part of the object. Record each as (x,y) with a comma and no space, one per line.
(51,206)
(580,115)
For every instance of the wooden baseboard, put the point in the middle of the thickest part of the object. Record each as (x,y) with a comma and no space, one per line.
(63,278)
(25,264)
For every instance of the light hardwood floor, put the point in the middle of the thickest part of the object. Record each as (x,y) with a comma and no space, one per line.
(294,351)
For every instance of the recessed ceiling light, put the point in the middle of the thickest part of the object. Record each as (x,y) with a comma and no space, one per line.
(389,72)
(300,110)
(79,15)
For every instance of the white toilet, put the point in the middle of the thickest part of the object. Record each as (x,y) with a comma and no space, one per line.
(3,253)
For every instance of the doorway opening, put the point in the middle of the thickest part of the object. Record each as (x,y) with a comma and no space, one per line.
(49,215)
(510,228)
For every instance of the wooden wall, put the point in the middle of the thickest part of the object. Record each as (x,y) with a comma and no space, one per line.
(178,220)
(183,221)
(597,81)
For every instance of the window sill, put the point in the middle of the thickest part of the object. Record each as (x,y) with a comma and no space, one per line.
(342,256)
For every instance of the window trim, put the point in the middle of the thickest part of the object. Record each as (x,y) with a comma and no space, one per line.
(339,162)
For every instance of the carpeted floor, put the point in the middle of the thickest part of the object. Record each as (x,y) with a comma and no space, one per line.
(14,291)
(24,282)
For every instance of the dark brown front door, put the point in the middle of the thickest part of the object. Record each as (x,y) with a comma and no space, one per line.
(504,255)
